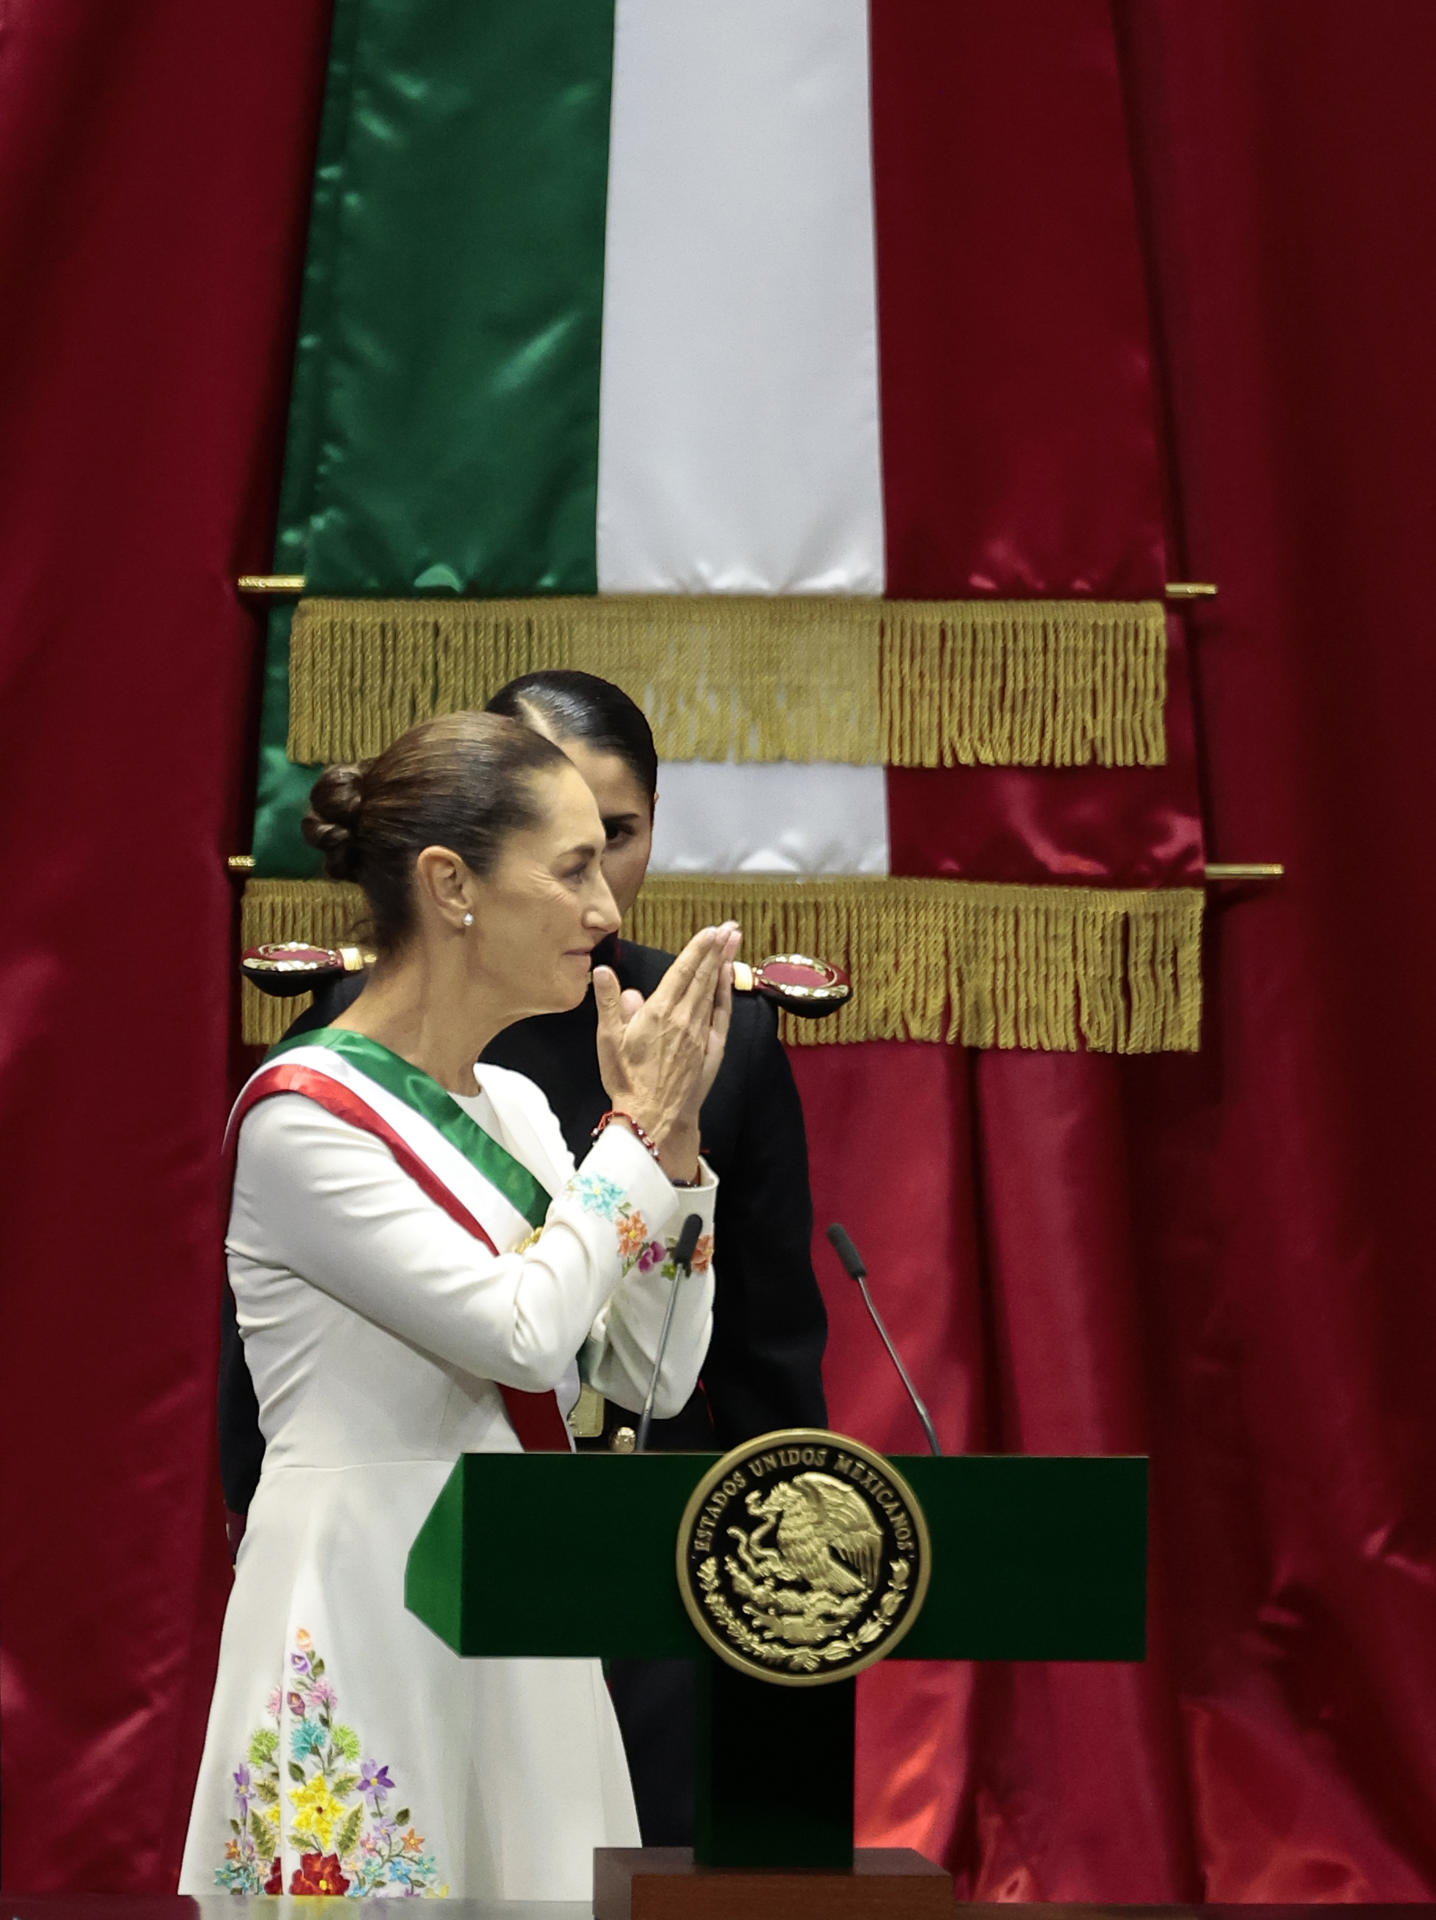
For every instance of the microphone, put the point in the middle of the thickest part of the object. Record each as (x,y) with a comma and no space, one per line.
(853,1266)
(684,1249)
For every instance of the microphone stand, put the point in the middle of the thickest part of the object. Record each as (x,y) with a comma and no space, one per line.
(683,1251)
(853,1266)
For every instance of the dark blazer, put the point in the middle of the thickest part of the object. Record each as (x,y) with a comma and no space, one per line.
(769,1326)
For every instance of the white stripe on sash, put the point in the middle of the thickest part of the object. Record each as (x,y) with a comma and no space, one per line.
(738,437)
(497,1214)
(770,817)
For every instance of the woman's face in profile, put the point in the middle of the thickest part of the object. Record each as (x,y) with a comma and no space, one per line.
(545,903)
(627,817)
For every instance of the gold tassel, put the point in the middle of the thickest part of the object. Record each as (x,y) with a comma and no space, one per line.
(916,683)
(1055,969)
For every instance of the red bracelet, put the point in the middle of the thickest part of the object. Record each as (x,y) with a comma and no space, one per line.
(644,1138)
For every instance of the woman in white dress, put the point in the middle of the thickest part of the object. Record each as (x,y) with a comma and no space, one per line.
(420,1271)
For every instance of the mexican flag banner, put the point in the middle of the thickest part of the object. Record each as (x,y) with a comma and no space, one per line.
(665,338)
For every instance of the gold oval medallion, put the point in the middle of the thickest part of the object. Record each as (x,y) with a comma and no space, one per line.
(802,1557)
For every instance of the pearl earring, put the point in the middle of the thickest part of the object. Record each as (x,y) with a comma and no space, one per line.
(468,919)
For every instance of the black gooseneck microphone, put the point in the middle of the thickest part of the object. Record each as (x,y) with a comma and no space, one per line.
(853,1266)
(684,1248)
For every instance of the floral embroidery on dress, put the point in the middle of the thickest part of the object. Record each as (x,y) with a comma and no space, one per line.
(331,1788)
(632,1235)
(645,1254)
(595,1194)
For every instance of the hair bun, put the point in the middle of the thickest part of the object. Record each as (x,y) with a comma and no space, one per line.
(332,822)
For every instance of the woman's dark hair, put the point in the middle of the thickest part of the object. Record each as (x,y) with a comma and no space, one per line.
(462,780)
(579,706)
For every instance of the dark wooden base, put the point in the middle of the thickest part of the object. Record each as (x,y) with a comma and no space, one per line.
(662,1883)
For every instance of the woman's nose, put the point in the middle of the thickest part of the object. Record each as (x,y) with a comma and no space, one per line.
(601,914)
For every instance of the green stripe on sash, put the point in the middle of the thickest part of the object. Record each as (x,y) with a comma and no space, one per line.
(420,1091)
(443,428)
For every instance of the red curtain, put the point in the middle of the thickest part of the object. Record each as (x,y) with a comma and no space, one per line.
(1220,1259)
(1223,1260)
(151,215)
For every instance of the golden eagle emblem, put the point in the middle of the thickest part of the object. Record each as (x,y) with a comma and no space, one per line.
(802,1556)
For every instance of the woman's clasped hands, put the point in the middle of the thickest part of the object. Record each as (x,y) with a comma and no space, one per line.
(659,1056)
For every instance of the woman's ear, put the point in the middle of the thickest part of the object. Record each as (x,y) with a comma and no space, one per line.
(444,883)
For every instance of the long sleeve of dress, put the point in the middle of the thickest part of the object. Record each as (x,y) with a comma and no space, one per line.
(328,1203)
(617,1358)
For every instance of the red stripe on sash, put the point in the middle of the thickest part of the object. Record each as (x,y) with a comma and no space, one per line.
(534,1417)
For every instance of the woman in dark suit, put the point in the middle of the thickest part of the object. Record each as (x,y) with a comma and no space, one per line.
(763,1368)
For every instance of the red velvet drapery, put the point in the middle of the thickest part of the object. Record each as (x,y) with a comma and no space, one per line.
(152,204)
(1223,1259)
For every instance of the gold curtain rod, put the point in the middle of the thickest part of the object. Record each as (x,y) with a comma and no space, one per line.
(242,863)
(276,585)
(281,586)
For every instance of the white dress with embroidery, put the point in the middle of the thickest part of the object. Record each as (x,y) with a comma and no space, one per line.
(349,1750)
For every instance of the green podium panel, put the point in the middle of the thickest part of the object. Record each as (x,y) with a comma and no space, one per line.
(1033,1558)
(565,1556)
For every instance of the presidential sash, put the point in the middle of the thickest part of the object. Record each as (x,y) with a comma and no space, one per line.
(462,1169)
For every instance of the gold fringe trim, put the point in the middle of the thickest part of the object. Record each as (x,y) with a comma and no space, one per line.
(905,683)
(1024,683)
(1048,968)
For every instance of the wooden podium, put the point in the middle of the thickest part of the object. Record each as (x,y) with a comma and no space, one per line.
(1033,1558)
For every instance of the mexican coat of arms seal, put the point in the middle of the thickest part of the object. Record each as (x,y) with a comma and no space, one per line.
(802,1557)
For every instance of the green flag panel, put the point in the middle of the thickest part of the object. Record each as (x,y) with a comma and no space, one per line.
(443,427)
(459,389)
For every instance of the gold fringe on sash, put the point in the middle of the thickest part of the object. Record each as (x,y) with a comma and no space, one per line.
(1054,969)
(906,683)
